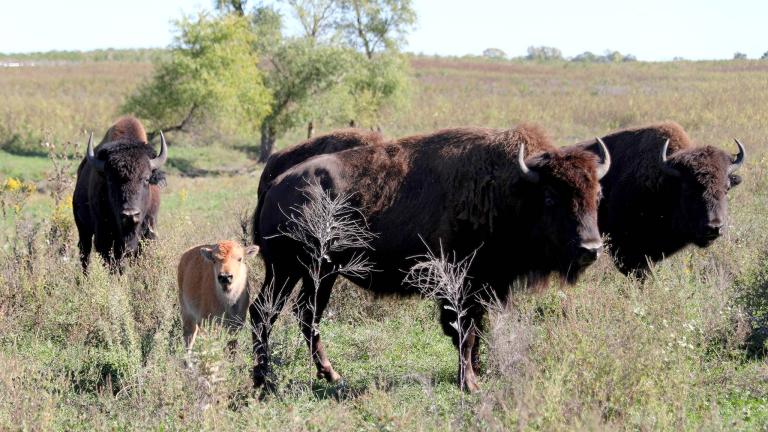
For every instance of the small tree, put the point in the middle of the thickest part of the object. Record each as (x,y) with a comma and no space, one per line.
(764,56)
(297,70)
(377,25)
(739,56)
(212,73)
(494,53)
(544,53)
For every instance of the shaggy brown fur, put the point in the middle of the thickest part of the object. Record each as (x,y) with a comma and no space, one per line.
(649,214)
(126,128)
(459,190)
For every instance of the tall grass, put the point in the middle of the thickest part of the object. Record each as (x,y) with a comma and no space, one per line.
(105,351)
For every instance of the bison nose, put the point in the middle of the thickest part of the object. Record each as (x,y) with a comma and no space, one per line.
(587,253)
(713,229)
(225,279)
(131,215)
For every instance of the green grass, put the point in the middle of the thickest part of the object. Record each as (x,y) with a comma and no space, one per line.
(105,352)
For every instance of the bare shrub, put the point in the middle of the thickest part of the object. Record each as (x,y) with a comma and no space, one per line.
(444,279)
(61,179)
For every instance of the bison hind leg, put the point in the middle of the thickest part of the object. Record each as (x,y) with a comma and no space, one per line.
(309,311)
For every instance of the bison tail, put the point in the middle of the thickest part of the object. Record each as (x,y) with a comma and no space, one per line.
(256,235)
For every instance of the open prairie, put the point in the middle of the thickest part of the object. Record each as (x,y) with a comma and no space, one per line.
(684,350)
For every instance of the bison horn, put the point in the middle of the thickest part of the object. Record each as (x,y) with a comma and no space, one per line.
(605,164)
(158,162)
(97,164)
(528,173)
(664,164)
(736,164)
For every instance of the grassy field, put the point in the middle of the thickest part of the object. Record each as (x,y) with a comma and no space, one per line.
(105,352)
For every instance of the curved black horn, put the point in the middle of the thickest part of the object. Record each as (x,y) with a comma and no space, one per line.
(97,164)
(528,174)
(663,161)
(157,162)
(605,164)
(739,160)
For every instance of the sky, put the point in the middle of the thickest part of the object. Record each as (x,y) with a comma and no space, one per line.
(649,29)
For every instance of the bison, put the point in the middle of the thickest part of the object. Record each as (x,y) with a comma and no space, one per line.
(462,190)
(662,194)
(213,284)
(334,142)
(117,194)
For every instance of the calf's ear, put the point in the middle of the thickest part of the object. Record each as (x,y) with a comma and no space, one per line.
(251,250)
(207,253)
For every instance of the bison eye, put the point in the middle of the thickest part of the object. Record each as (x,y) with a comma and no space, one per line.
(734,180)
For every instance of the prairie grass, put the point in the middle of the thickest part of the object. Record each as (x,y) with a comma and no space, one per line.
(104,352)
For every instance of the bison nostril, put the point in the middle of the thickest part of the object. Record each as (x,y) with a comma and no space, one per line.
(588,253)
(225,278)
(714,230)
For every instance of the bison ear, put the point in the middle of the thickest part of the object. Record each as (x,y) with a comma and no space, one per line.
(207,253)
(735,180)
(251,250)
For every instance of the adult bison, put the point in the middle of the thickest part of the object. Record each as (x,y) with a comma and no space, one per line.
(662,193)
(117,194)
(334,142)
(460,190)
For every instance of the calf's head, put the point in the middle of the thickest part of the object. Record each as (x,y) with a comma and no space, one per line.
(562,200)
(128,169)
(696,182)
(228,259)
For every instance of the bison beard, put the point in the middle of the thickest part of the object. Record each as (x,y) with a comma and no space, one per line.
(459,189)
(662,194)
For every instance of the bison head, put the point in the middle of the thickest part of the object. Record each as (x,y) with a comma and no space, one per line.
(229,269)
(563,201)
(128,168)
(699,179)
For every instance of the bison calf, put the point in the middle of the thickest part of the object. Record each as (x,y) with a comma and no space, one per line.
(213,284)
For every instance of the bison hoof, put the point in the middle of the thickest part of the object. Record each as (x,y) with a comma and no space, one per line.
(471,386)
(329,375)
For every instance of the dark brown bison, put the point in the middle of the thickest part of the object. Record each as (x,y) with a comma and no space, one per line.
(117,194)
(460,190)
(334,142)
(662,193)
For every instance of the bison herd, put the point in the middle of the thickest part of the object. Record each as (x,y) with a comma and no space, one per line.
(525,209)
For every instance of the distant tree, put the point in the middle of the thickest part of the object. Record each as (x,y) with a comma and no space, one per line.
(231,6)
(318,18)
(678,58)
(544,53)
(764,56)
(739,56)
(298,70)
(211,73)
(587,57)
(629,58)
(494,53)
(377,25)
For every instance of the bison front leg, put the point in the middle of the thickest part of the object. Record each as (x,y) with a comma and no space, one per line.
(466,342)
(309,311)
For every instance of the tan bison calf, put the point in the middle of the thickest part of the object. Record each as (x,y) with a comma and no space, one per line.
(213,284)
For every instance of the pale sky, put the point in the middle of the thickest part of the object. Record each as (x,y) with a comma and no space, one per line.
(650,29)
